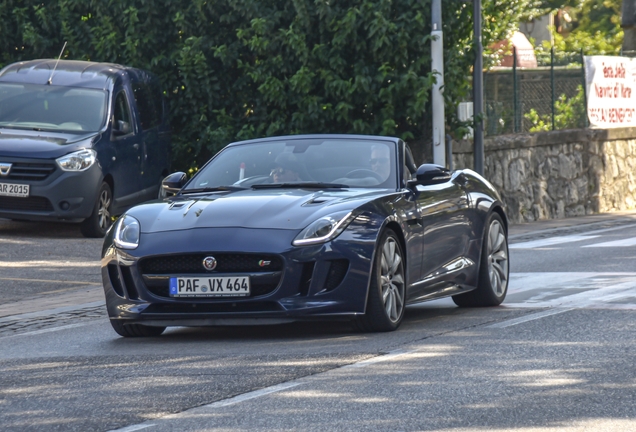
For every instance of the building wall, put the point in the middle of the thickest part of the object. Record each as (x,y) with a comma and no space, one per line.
(552,175)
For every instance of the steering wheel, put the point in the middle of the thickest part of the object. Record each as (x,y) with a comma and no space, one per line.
(361,173)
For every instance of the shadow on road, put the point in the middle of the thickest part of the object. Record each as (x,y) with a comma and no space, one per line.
(10,228)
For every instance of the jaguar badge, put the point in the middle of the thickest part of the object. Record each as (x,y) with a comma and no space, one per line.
(209,263)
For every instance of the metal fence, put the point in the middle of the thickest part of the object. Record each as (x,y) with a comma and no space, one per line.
(548,97)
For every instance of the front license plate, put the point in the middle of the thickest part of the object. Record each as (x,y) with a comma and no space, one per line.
(14,190)
(223,286)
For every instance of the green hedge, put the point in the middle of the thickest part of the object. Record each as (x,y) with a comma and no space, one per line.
(237,69)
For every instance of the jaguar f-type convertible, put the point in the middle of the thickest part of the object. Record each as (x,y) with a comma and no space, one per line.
(307,227)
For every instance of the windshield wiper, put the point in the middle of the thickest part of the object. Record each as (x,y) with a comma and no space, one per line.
(213,189)
(300,185)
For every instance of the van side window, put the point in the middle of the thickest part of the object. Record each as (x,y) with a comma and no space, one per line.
(149,106)
(123,121)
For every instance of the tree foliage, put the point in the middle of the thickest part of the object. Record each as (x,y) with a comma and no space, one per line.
(237,69)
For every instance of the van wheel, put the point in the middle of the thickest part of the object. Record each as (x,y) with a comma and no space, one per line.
(100,220)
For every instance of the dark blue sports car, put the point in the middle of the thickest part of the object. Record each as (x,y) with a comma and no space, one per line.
(306,227)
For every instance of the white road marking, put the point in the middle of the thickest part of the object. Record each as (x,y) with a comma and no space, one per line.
(575,290)
(530,317)
(550,241)
(133,428)
(616,243)
(252,395)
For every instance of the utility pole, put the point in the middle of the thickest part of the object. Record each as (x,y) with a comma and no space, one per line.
(478,90)
(437,67)
(628,23)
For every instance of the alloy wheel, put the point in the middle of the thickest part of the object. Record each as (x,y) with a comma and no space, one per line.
(392,279)
(497,258)
(103,209)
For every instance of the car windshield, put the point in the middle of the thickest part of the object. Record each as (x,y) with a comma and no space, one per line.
(311,163)
(52,108)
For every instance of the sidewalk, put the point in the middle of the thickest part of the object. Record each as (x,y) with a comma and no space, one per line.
(518,230)
(91,296)
(52,303)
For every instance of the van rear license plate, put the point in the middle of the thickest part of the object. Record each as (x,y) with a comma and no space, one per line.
(14,190)
(222,286)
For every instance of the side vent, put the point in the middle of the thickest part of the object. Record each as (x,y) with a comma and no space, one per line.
(129,283)
(113,275)
(306,276)
(337,271)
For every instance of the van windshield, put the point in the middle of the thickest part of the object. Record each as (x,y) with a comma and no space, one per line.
(52,108)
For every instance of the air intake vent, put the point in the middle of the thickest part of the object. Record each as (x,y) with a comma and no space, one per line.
(30,171)
(337,271)
(28,204)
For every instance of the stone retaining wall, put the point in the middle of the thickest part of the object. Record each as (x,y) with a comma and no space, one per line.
(552,175)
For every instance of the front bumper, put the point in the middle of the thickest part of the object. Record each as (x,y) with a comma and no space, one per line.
(311,282)
(54,194)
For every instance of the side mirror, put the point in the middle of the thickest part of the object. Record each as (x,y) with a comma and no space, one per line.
(174,182)
(121,127)
(431,174)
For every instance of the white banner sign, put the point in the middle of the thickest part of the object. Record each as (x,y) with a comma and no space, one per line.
(611,91)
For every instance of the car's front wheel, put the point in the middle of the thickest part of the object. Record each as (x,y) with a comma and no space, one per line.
(493,268)
(386,300)
(135,330)
(100,220)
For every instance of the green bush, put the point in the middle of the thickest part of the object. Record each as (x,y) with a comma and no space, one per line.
(568,114)
(236,69)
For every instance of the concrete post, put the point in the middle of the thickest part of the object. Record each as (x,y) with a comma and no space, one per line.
(437,66)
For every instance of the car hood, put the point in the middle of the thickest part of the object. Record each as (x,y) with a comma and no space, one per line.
(290,209)
(36,144)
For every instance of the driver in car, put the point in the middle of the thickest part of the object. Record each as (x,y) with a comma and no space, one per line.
(286,169)
(380,161)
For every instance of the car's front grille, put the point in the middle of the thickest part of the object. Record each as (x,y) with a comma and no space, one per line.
(265,270)
(30,171)
(27,204)
(226,263)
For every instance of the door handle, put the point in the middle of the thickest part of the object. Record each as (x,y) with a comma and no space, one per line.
(136,146)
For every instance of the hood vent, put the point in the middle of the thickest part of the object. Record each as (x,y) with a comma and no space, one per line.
(316,201)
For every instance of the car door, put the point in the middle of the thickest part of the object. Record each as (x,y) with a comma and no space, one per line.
(149,111)
(125,165)
(443,211)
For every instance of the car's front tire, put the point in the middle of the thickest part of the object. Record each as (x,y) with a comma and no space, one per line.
(135,330)
(386,300)
(493,268)
(96,225)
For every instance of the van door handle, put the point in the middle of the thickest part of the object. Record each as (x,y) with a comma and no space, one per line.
(136,146)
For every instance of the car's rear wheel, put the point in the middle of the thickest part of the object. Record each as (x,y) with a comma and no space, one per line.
(493,268)
(100,220)
(135,330)
(386,299)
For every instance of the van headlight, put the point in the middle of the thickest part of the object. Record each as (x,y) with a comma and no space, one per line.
(77,161)
(324,229)
(127,232)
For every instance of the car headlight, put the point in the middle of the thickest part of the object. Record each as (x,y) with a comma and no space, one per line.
(77,161)
(324,229)
(127,231)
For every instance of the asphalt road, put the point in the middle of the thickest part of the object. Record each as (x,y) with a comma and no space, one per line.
(559,355)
